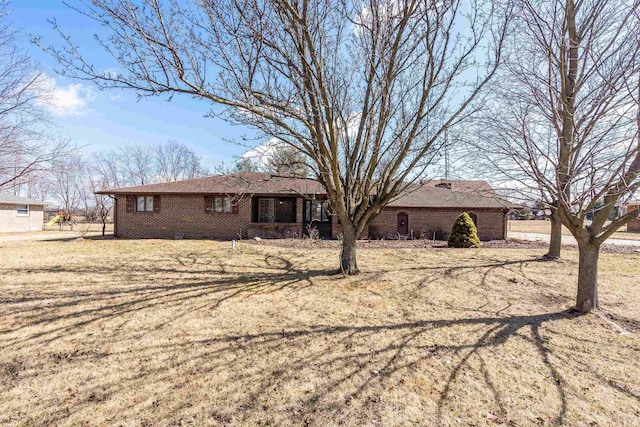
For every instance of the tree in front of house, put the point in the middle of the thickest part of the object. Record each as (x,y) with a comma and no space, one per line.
(464,233)
(564,119)
(363,89)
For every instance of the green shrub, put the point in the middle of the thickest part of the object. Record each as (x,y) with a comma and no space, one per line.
(464,233)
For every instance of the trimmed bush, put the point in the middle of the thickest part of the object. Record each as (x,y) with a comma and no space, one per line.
(464,233)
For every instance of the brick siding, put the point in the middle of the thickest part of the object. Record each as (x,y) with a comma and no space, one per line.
(183,215)
(634,225)
(424,223)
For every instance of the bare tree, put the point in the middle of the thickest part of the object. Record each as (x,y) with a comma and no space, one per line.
(102,203)
(243,164)
(274,157)
(364,89)
(288,161)
(110,169)
(562,124)
(175,161)
(138,164)
(24,146)
(69,182)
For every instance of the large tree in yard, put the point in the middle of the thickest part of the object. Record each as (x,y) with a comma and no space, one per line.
(563,121)
(364,89)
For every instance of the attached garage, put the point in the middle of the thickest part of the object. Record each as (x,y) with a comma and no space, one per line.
(430,209)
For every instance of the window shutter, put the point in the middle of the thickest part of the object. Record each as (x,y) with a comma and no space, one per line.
(156,204)
(131,203)
(254,209)
(235,206)
(208,204)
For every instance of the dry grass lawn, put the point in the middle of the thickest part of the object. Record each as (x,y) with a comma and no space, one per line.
(544,227)
(136,333)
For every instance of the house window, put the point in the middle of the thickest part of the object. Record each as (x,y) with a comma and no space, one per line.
(274,210)
(266,210)
(144,204)
(317,211)
(222,204)
(218,204)
(22,210)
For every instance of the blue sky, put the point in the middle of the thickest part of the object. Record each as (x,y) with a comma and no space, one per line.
(101,120)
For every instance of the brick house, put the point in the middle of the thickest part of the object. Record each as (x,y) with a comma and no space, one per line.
(248,205)
(634,223)
(20,214)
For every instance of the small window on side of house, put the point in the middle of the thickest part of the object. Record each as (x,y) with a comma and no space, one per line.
(144,204)
(222,204)
(22,210)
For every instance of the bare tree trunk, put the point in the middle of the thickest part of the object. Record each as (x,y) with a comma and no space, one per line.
(555,241)
(348,262)
(587,297)
(104,226)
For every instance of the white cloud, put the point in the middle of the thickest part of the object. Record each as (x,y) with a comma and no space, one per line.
(69,100)
(263,152)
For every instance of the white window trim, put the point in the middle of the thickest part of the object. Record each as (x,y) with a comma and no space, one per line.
(18,213)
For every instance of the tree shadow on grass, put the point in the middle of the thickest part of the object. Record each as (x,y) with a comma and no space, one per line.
(313,373)
(349,374)
(115,303)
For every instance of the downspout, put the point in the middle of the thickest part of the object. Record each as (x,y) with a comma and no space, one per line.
(115,215)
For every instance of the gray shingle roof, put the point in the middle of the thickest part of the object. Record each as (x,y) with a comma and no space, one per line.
(9,198)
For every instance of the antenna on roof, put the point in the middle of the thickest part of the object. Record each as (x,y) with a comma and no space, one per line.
(446,153)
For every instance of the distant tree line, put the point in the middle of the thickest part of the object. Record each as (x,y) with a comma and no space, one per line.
(71,179)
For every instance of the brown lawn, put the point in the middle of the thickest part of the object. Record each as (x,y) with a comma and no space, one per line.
(109,332)
(544,227)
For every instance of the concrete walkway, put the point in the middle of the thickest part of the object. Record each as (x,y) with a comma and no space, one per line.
(30,236)
(566,240)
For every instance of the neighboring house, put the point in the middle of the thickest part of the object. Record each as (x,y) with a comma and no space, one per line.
(634,223)
(264,205)
(20,214)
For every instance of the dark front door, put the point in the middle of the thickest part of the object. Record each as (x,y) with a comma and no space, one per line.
(317,216)
(403,223)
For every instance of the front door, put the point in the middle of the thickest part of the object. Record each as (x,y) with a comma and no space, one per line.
(403,224)
(317,216)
